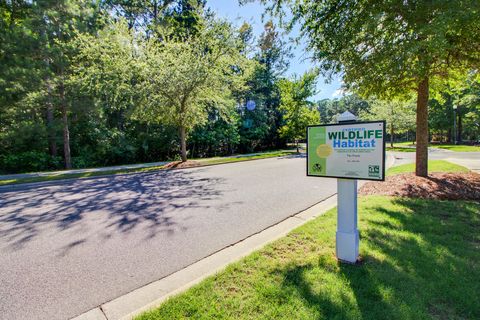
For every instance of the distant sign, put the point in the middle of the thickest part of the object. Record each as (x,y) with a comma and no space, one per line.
(251,105)
(349,150)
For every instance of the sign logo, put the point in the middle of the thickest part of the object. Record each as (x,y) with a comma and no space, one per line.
(374,171)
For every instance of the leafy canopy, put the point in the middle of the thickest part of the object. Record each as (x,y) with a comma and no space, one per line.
(385,48)
(185,76)
(297,111)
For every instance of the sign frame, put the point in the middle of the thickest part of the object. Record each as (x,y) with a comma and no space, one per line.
(352,123)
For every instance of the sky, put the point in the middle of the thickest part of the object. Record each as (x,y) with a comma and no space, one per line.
(252,13)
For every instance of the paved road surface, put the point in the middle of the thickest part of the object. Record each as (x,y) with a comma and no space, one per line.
(470,160)
(68,247)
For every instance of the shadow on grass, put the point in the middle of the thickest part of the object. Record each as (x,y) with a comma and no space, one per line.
(421,260)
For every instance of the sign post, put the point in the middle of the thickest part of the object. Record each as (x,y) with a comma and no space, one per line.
(349,151)
(347,238)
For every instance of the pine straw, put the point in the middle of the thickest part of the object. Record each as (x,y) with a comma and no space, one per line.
(180,164)
(442,186)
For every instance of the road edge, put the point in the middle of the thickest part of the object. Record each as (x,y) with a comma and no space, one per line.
(152,295)
(48,183)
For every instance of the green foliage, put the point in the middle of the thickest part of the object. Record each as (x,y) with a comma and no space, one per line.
(331,108)
(30,161)
(186,75)
(218,137)
(113,81)
(400,116)
(297,111)
(386,48)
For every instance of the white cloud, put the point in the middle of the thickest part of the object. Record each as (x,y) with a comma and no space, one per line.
(338,93)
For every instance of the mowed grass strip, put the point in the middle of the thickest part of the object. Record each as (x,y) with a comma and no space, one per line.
(401,149)
(421,260)
(65,176)
(433,166)
(409,147)
(457,148)
(207,161)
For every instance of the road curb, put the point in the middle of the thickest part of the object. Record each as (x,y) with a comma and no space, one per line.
(152,295)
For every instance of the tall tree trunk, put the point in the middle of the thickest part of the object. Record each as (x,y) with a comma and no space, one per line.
(155,12)
(296,142)
(66,133)
(459,128)
(421,155)
(52,141)
(391,135)
(183,143)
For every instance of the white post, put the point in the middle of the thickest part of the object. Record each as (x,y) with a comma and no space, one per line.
(347,239)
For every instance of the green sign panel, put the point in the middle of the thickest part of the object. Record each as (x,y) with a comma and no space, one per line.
(349,150)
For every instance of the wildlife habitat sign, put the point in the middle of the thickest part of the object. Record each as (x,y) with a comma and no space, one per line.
(353,150)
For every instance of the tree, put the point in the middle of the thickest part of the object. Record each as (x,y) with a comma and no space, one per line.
(185,76)
(400,116)
(272,63)
(330,109)
(297,111)
(148,16)
(259,127)
(39,35)
(388,49)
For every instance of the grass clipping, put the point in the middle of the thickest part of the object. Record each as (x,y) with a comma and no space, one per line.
(438,185)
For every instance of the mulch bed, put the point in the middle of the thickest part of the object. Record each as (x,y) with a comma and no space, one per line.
(181,165)
(442,186)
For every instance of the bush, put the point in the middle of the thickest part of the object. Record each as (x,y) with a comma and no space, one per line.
(29,161)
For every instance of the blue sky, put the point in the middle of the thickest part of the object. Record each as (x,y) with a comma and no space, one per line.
(252,13)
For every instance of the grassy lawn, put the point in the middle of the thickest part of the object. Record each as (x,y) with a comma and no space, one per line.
(400,149)
(245,158)
(63,176)
(203,162)
(433,166)
(457,148)
(421,260)
(409,147)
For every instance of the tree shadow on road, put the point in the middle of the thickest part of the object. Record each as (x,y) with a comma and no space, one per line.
(119,204)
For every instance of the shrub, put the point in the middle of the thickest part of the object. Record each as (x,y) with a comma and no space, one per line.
(29,161)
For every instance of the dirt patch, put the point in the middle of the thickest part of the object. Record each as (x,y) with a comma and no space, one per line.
(443,186)
(181,165)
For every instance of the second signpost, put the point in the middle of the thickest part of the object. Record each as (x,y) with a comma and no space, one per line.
(349,151)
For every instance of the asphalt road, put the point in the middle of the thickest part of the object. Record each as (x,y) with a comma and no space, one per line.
(67,247)
(470,160)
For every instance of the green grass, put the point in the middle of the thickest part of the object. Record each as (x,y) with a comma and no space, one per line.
(457,148)
(246,158)
(63,176)
(433,166)
(409,147)
(404,144)
(421,260)
(401,149)
(208,161)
